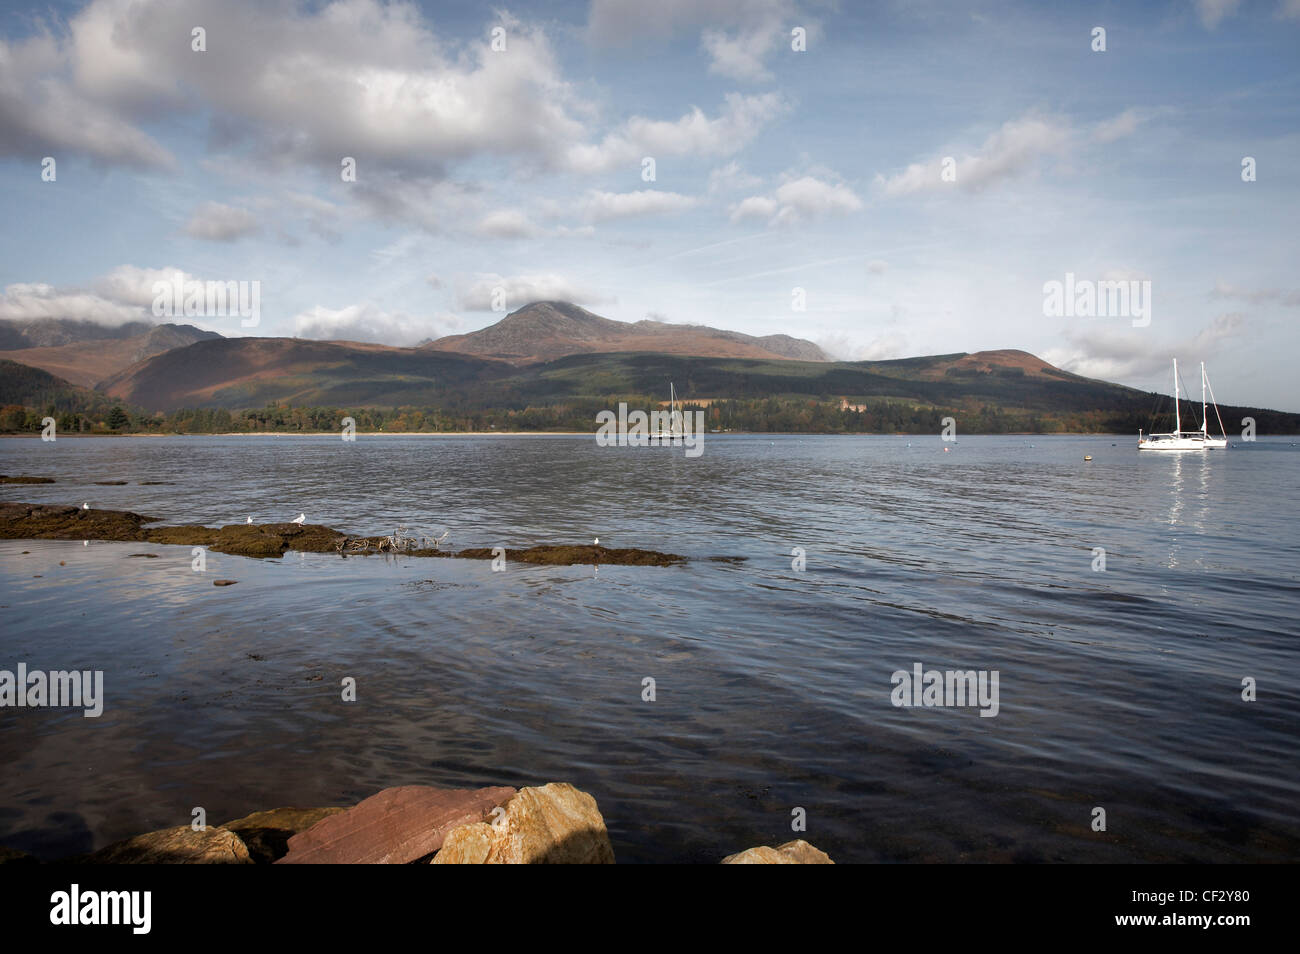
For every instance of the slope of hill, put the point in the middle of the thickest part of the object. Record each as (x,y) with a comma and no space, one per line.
(84,353)
(26,386)
(546,330)
(250,372)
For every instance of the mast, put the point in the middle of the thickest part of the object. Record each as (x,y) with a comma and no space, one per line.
(1178,420)
(1205,424)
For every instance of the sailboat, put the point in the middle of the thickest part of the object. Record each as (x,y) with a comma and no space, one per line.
(674,431)
(1180,440)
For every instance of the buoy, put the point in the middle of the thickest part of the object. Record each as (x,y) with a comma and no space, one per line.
(1087,457)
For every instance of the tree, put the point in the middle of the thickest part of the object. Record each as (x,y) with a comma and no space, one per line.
(117,419)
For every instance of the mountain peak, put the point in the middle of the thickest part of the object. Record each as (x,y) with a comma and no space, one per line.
(546,330)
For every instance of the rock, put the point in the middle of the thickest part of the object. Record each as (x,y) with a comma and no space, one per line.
(25,480)
(175,846)
(553,824)
(466,845)
(12,856)
(797,852)
(396,826)
(267,834)
(568,555)
(224,582)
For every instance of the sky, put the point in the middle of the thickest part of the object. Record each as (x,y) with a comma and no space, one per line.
(885,179)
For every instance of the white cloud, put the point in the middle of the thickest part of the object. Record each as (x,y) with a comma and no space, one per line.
(1007,153)
(1125,124)
(731,177)
(741,119)
(1098,351)
(520,290)
(221,223)
(798,200)
(738,35)
(603,206)
(740,56)
(368,322)
(124,294)
(507,224)
(1213,12)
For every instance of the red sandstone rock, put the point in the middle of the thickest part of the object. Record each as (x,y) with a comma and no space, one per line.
(396,826)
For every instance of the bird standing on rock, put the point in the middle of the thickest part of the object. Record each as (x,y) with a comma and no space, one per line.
(85,506)
(301,518)
(249,520)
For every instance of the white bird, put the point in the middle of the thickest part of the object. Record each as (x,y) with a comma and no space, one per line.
(443,537)
(596,542)
(85,506)
(249,520)
(301,518)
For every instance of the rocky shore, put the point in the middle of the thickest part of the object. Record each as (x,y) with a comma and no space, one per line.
(25,521)
(410,824)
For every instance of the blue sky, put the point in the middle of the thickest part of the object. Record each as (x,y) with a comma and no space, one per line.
(521,169)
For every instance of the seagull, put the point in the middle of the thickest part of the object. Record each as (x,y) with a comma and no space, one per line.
(301,518)
(441,538)
(85,506)
(249,520)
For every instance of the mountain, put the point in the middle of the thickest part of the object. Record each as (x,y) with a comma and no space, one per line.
(546,330)
(84,352)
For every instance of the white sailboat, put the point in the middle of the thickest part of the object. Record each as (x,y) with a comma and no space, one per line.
(1180,440)
(674,431)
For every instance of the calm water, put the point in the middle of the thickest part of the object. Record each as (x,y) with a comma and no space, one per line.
(1118,689)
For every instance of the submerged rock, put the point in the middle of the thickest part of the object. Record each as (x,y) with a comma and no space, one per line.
(22,521)
(569,555)
(797,852)
(24,479)
(175,846)
(396,826)
(40,522)
(553,824)
(266,834)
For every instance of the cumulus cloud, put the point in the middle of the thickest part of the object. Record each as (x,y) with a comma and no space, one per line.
(124,294)
(798,200)
(1007,153)
(216,222)
(738,35)
(1110,353)
(603,206)
(508,224)
(368,322)
(732,177)
(480,293)
(740,120)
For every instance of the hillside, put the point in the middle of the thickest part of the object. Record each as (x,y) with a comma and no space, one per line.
(546,330)
(85,353)
(250,372)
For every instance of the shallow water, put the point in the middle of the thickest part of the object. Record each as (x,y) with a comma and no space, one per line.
(1118,689)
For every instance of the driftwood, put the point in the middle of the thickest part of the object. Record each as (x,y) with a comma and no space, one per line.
(396,542)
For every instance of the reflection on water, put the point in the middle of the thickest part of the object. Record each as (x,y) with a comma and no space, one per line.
(1119,688)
